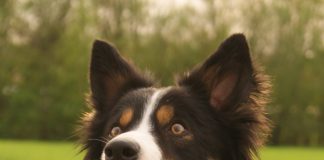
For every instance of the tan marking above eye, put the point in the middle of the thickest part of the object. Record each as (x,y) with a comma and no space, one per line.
(126,117)
(188,137)
(164,114)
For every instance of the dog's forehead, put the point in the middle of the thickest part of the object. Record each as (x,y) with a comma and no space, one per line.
(138,99)
(158,101)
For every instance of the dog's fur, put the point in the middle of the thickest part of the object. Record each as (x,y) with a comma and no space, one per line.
(219,107)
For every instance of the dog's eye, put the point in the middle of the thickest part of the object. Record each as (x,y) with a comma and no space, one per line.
(177,129)
(115,131)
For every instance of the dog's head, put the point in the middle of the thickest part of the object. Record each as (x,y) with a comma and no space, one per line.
(215,112)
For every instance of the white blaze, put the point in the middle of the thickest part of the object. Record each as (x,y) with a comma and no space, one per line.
(149,149)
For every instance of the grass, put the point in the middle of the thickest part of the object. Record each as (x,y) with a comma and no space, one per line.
(38,150)
(292,153)
(26,150)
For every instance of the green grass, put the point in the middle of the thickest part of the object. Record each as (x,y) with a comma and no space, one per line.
(292,153)
(37,150)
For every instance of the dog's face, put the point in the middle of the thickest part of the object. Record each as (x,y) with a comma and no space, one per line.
(214,112)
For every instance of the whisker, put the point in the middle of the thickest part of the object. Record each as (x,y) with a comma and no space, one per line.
(104,138)
(99,140)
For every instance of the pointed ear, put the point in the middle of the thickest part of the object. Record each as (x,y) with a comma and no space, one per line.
(226,77)
(111,76)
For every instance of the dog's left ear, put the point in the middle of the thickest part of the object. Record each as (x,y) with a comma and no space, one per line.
(226,77)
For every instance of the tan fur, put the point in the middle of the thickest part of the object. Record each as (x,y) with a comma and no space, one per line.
(126,117)
(164,114)
(188,137)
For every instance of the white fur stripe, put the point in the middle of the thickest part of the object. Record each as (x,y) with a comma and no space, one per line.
(151,105)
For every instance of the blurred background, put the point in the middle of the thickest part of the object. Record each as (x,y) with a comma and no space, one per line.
(45,50)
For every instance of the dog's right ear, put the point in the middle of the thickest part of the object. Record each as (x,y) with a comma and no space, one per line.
(111,76)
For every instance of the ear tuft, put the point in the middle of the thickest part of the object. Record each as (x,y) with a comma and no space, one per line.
(103,56)
(235,48)
(100,46)
(236,40)
(97,44)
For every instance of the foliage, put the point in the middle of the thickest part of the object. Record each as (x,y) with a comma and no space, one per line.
(45,47)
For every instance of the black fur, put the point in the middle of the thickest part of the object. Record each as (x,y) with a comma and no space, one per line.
(220,103)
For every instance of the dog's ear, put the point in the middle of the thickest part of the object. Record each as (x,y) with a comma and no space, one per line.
(226,77)
(237,91)
(111,76)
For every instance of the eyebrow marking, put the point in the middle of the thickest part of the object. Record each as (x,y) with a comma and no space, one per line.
(164,114)
(150,106)
(126,116)
(188,137)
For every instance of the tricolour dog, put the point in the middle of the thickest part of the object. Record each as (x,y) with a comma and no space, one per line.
(214,112)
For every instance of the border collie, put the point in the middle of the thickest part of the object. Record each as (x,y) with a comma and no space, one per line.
(214,112)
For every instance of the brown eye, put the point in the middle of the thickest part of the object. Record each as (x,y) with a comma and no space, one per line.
(115,131)
(177,129)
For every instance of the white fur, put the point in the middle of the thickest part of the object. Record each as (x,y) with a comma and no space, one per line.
(149,149)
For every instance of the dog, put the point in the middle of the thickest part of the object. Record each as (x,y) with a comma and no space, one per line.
(213,112)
